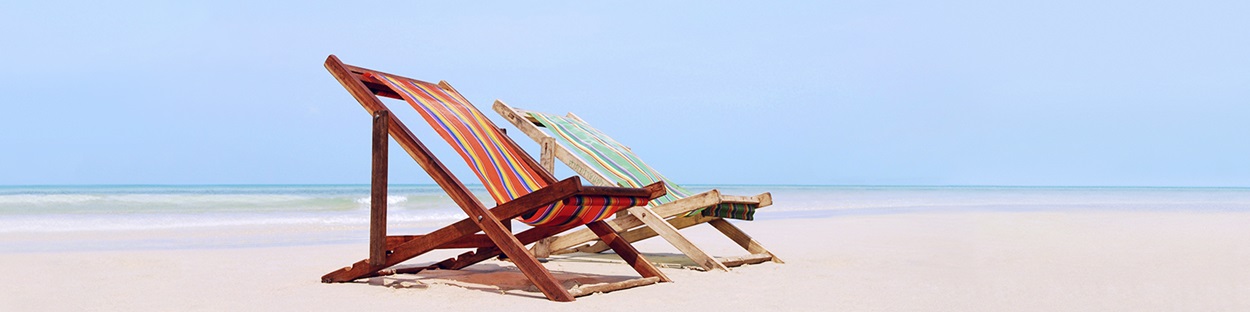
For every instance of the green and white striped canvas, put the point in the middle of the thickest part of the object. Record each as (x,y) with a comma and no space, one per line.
(620,164)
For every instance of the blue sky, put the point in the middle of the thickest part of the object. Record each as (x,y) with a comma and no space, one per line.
(1138,93)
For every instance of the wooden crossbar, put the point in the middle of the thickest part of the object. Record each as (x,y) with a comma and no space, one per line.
(608,287)
(747,259)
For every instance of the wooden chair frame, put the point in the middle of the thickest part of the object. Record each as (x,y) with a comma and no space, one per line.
(387,251)
(641,222)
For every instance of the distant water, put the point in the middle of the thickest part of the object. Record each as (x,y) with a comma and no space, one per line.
(79,208)
(30,210)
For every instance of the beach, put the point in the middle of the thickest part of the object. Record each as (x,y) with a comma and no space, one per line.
(881,156)
(864,259)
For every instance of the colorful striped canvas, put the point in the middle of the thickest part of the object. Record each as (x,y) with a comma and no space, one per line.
(620,164)
(494,160)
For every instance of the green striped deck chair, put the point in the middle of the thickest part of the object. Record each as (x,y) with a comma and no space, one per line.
(521,188)
(604,161)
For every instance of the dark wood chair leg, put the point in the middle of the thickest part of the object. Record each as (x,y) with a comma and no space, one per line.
(515,250)
(626,251)
(507,224)
(377,190)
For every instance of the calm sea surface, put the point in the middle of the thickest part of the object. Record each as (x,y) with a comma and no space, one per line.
(251,213)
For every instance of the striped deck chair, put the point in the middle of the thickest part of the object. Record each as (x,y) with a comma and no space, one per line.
(521,189)
(603,161)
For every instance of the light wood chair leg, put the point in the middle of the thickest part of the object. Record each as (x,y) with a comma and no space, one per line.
(740,237)
(670,234)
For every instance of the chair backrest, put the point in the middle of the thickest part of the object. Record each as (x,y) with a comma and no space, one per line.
(613,159)
(496,160)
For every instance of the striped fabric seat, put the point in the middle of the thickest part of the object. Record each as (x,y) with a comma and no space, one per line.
(496,161)
(620,164)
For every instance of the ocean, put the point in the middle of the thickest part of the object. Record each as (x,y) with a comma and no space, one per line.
(32,218)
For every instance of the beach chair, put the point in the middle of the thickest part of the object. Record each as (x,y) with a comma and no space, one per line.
(520,187)
(604,161)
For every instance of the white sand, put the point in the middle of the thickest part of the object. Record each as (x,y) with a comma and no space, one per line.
(982,261)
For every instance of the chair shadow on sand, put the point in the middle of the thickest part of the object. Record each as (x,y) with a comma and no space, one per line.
(501,277)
